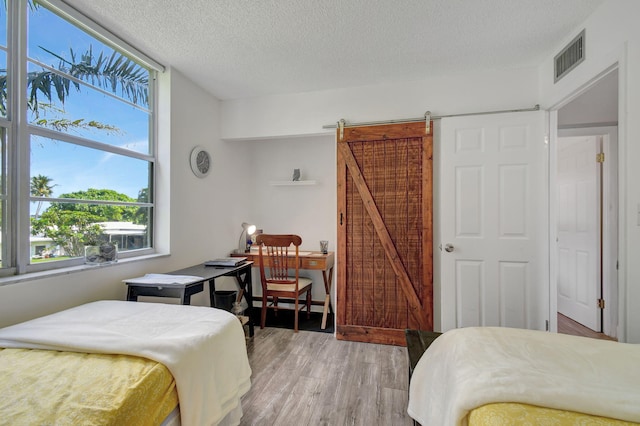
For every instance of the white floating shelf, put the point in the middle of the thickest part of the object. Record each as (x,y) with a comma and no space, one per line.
(292,182)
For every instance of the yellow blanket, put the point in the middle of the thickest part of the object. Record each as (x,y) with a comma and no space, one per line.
(43,387)
(509,413)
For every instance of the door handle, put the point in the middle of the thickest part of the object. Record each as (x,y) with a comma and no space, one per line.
(448,248)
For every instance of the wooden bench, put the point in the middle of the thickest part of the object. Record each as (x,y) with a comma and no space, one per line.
(417,342)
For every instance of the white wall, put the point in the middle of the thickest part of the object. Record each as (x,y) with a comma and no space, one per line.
(277,118)
(613,37)
(306,113)
(309,211)
(201,213)
(207,213)
(599,105)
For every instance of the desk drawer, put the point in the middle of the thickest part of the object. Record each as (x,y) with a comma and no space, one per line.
(291,262)
(313,263)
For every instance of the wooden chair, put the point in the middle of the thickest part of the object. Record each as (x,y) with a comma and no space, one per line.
(275,263)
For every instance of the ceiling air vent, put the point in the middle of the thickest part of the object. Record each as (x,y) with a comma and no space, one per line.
(569,57)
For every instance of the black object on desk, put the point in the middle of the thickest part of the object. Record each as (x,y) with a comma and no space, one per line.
(184,291)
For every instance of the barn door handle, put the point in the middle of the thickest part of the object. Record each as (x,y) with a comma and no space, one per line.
(448,248)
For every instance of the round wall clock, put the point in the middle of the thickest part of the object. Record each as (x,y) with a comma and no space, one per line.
(200,162)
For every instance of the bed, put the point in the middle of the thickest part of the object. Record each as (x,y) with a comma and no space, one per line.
(115,362)
(499,376)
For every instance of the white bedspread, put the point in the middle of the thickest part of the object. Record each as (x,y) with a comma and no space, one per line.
(469,367)
(204,348)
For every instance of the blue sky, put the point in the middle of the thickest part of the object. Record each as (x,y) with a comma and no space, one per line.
(74,168)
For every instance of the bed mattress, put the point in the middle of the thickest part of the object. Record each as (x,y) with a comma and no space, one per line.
(71,388)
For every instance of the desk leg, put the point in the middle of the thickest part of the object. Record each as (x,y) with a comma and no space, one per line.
(327,297)
(212,291)
(132,296)
(246,287)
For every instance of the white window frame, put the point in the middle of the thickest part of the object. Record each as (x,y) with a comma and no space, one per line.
(17,244)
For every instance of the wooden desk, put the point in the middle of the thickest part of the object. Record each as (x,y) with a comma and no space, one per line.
(184,291)
(314,260)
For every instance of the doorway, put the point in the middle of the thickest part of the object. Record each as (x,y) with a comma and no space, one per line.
(586,188)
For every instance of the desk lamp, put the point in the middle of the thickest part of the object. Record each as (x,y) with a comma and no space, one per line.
(247,230)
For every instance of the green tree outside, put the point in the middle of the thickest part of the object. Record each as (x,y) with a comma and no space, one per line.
(75,225)
(105,212)
(71,230)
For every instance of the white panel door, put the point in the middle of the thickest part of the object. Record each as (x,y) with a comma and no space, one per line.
(578,189)
(494,221)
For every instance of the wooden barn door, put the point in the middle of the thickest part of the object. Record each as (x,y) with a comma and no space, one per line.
(385,238)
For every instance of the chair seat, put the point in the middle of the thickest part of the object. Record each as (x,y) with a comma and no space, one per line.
(302,284)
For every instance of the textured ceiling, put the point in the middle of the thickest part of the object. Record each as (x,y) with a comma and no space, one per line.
(248,48)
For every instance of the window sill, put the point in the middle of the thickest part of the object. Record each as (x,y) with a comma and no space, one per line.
(15,279)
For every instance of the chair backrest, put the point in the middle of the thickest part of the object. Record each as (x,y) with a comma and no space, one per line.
(275,258)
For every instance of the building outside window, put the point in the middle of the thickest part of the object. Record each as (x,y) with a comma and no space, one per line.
(77,132)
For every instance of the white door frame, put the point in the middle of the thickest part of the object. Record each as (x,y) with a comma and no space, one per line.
(618,293)
(553,219)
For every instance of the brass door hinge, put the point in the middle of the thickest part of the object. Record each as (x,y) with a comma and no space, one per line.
(601,303)
(600,157)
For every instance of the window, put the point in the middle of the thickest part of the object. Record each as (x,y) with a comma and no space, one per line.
(77,133)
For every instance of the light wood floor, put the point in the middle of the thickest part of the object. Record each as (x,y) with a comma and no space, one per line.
(568,326)
(311,378)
